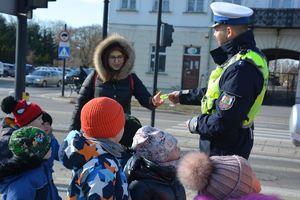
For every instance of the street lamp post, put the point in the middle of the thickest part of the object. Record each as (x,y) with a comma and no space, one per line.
(105,19)
(156,57)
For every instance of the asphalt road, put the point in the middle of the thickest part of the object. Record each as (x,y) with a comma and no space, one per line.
(275,160)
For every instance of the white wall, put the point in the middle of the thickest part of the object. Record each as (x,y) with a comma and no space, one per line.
(190,29)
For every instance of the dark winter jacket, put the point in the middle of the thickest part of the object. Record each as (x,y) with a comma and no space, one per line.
(149,181)
(121,88)
(244,82)
(30,185)
(10,166)
(36,173)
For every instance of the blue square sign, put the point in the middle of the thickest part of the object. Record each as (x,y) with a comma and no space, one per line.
(63,52)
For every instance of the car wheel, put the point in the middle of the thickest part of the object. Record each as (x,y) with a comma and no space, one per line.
(44,84)
(59,84)
(5,74)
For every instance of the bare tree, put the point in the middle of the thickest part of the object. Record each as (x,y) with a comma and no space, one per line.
(83,42)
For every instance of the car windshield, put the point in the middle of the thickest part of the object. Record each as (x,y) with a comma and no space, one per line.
(40,73)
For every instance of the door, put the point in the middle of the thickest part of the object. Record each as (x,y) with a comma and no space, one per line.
(190,68)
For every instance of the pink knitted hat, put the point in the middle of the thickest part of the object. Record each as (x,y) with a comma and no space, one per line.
(221,177)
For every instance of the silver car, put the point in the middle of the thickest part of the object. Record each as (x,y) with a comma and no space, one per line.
(44,78)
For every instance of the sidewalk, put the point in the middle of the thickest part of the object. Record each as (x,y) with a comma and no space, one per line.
(265,148)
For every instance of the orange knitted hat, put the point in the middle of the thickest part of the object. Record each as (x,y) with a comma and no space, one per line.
(102,117)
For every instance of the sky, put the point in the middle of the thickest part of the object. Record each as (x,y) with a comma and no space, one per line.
(74,13)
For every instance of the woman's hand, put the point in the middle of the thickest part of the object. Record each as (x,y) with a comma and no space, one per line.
(156,100)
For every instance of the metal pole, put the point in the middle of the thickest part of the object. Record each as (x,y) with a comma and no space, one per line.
(105,19)
(64,69)
(156,58)
(21,44)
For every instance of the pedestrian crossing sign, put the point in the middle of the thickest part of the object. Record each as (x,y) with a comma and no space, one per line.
(63,52)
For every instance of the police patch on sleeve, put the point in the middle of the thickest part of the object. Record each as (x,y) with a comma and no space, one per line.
(226,102)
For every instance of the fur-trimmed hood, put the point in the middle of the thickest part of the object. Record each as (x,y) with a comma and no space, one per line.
(100,50)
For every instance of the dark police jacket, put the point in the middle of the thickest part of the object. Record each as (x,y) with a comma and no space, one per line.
(244,82)
(149,181)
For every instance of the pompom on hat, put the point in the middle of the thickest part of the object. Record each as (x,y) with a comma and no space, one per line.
(29,142)
(229,13)
(24,112)
(221,177)
(153,144)
(102,117)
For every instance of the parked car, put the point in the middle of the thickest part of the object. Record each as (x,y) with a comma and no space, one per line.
(9,70)
(28,69)
(1,69)
(44,78)
(74,75)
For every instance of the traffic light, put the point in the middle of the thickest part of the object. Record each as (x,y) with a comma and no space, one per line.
(33,4)
(166,36)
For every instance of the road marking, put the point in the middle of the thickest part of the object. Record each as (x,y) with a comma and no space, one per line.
(281,191)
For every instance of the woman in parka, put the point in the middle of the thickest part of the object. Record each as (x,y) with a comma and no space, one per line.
(113,77)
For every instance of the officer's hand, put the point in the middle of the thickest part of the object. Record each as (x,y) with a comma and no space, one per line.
(192,124)
(174,97)
(156,100)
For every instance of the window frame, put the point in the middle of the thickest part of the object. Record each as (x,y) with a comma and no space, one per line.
(234,1)
(129,4)
(155,6)
(195,6)
(281,4)
(162,55)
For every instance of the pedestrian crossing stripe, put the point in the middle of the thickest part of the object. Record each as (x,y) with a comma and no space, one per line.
(63,52)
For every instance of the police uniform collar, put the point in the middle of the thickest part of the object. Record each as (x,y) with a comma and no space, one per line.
(229,13)
(232,47)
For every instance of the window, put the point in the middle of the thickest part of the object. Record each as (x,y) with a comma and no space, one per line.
(281,4)
(128,5)
(195,6)
(161,60)
(165,6)
(234,1)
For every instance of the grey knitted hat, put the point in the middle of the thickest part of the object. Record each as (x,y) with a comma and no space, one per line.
(221,177)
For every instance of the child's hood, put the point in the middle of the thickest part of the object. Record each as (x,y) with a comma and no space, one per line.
(76,150)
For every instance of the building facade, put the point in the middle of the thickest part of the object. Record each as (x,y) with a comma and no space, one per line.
(187,63)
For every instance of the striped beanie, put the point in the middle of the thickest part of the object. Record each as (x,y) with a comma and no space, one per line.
(102,117)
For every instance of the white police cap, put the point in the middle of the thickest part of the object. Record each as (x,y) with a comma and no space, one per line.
(229,13)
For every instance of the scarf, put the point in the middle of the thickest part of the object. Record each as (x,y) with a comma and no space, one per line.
(111,147)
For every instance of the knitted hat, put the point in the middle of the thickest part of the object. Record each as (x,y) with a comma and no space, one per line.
(29,142)
(153,144)
(221,177)
(102,117)
(24,112)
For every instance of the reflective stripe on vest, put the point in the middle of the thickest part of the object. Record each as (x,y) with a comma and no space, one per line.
(213,91)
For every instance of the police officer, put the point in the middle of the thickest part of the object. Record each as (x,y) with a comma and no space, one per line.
(235,88)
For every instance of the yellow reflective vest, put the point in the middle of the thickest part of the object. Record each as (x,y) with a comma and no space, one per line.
(213,90)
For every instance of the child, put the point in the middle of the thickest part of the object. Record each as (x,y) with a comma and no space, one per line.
(93,153)
(47,122)
(25,114)
(220,177)
(27,143)
(151,172)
